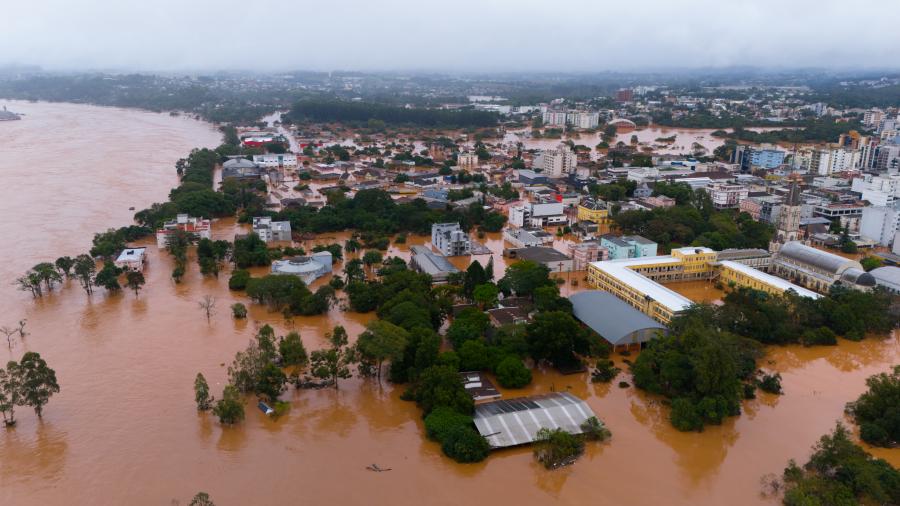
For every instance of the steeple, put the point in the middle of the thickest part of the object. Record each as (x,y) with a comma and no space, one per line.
(789,221)
(793,198)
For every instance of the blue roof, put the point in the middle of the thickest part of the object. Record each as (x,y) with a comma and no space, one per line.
(614,319)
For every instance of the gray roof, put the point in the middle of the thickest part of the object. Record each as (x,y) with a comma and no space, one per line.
(238,163)
(541,254)
(514,422)
(886,275)
(798,252)
(858,277)
(614,319)
(431,263)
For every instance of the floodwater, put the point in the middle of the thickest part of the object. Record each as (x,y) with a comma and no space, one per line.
(124,428)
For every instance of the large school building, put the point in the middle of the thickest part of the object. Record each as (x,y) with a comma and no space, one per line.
(638,281)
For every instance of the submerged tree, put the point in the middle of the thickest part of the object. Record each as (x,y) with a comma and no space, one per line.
(38,381)
(333,363)
(108,277)
(134,280)
(64,265)
(201,393)
(208,305)
(10,392)
(84,269)
(229,408)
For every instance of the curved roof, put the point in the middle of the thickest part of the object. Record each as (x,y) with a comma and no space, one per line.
(858,277)
(886,275)
(829,262)
(612,318)
(623,121)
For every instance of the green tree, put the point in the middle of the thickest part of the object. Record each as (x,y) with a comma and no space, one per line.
(334,362)
(552,336)
(464,444)
(38,381)
(201,393)
(486,295)
(134,280)
(442,386)
(11,394)
(201,499)
(555,448)
(270,383)
(239,311)
(512,373)
(524,277)
(108,277)
(382,341)
(229,408)
(48,274)
(442,420)
(877,410)
(238,279)
(292,350)
(64,265)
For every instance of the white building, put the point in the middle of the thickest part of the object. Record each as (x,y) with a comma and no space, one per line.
(308,268)
(538,215)
(269,230)
(879,224)
(132,259)
(727,196)
(877,190)
(584,119)
(837,160)
(198,228)
(450,239)
(272,160)
(555,118)
(558,162)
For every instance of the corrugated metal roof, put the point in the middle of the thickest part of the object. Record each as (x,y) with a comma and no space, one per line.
(613,318)
(513,422)
(829,262)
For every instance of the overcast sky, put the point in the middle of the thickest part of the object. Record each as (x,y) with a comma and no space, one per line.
(509,35)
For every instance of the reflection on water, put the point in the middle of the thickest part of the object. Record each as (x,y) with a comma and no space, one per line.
(124,428)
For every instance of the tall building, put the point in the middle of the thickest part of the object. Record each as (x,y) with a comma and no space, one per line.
(766,158)
(624,95)
(788,220)
(879,224)
(558,162)
(467,160)
(450,239)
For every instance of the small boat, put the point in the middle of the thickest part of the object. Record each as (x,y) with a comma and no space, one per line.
(131,208)
(265,408)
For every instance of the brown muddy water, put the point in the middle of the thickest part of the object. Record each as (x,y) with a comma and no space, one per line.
(124,429)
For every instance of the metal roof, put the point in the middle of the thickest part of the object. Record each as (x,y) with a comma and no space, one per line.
(613,318)
(803,254)
(886,275)
(513,422)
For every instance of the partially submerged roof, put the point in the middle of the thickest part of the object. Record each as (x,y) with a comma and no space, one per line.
(515,422)
(479,386)
(613,319)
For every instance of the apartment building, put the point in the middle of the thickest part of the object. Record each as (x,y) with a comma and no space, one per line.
(450,239)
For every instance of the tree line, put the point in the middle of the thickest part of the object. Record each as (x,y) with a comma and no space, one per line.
(326,111)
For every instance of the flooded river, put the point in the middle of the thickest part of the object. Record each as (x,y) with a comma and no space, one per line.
(124,428)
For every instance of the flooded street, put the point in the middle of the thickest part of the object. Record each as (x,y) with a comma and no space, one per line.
(124,428)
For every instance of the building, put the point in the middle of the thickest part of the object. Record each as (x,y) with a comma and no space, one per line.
(559,162)
(308,268)
(554,260)
(467,160)
(538,215)
(887,278)
(738,274)
(766,158)
(593,210)
(450,239)
(514,422)
(437,266)
(818,270)
(524,237)
(197,228)
(627,246)
(478,386)
(624,95)
(275,161)
(789,219)
(583,119)
(764,208)
(879,224)
(752,257)
(613,319)
(636,281)
(269,230)
(727,196)
(241,168)
(848,215)
(586,252)
(132,259)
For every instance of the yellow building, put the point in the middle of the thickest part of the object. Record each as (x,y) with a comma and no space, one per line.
(593,210)
(740,275)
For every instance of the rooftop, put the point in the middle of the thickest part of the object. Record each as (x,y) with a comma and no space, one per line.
(612,318)
(514,422)
(769,279)
(621,270)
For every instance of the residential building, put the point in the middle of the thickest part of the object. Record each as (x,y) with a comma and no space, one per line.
(594,210)
(633,246)
(583,119)
(766,158)
(132,259)
(764,208)
(727,196)
(554,118)
(467,160)
(308,268)
(879,224)
(624,95)
(525,237)
(556,163)
(197,228)
(273,160)
(450,239)
(270,231)
(586,252)
(437,266)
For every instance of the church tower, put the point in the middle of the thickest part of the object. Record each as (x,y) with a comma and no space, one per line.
(789,219)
